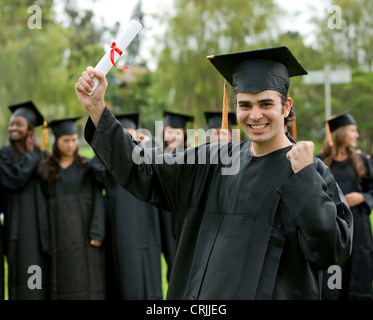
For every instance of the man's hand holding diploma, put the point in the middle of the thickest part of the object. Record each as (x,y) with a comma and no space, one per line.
(92,84)
(95,103)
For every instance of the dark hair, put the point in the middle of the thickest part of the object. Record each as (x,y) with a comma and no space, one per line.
(330,152)
(48,168)
(288,121)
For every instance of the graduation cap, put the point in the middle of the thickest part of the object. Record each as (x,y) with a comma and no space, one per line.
(176,120)
(28,111)
(259,70)
(214,119)
(129,121)
(338,121)
(63,127)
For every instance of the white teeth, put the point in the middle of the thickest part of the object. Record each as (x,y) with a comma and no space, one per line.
(258,127)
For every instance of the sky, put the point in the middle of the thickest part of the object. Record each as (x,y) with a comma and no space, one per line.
(296,17)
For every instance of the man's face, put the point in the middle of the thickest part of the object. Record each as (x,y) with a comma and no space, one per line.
(262,115)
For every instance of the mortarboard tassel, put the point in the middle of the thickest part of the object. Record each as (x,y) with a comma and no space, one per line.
(328,133)
(224,122)
(45,135)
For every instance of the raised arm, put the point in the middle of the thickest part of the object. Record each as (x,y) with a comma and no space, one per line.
(114,146)
(95,103)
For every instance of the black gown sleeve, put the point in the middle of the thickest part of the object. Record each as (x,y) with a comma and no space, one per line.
(321,214)
(97,228)
(168,181)
(15,175)
(125,158)
(42,208)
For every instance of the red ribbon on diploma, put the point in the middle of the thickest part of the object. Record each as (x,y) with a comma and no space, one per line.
(117,50)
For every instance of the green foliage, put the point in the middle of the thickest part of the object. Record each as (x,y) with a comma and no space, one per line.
(43,65)
(185,78)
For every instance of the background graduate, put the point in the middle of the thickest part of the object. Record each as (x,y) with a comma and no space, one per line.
(134,250)
(214,121)
(267,229)
(353,173)
(23,229)
(174,140)
(174,133)
(76,216)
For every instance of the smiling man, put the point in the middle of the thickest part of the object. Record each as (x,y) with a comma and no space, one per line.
(265,232)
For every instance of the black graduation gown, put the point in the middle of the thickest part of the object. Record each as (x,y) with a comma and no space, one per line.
(136,244)
(264,233)
(136,235)
(168,239)
(23,225)
(357,271)
(76,213)
(167,228)
(167,222)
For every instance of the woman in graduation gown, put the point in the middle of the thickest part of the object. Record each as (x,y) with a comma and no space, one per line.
(353,174)
(174,140)
(24,230)
(134,250)
(76,215)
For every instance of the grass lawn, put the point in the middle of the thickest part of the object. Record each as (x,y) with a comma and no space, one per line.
(6,279)
(164,277)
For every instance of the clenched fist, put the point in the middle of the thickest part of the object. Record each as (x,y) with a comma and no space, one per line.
(95,103)
(301,155)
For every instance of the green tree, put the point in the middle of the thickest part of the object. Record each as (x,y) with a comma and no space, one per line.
(44,64)
(135,46)
(185,80)
(308,101)
(31,60)
(349,44)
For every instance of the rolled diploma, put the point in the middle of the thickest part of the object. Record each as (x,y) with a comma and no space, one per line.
(122,43)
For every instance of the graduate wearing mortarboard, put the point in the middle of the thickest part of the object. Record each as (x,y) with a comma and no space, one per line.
(174,140)
(214,121)
(353,173)
(174,132)
(264,230)
(76,218)
(134,236)
(23,238)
